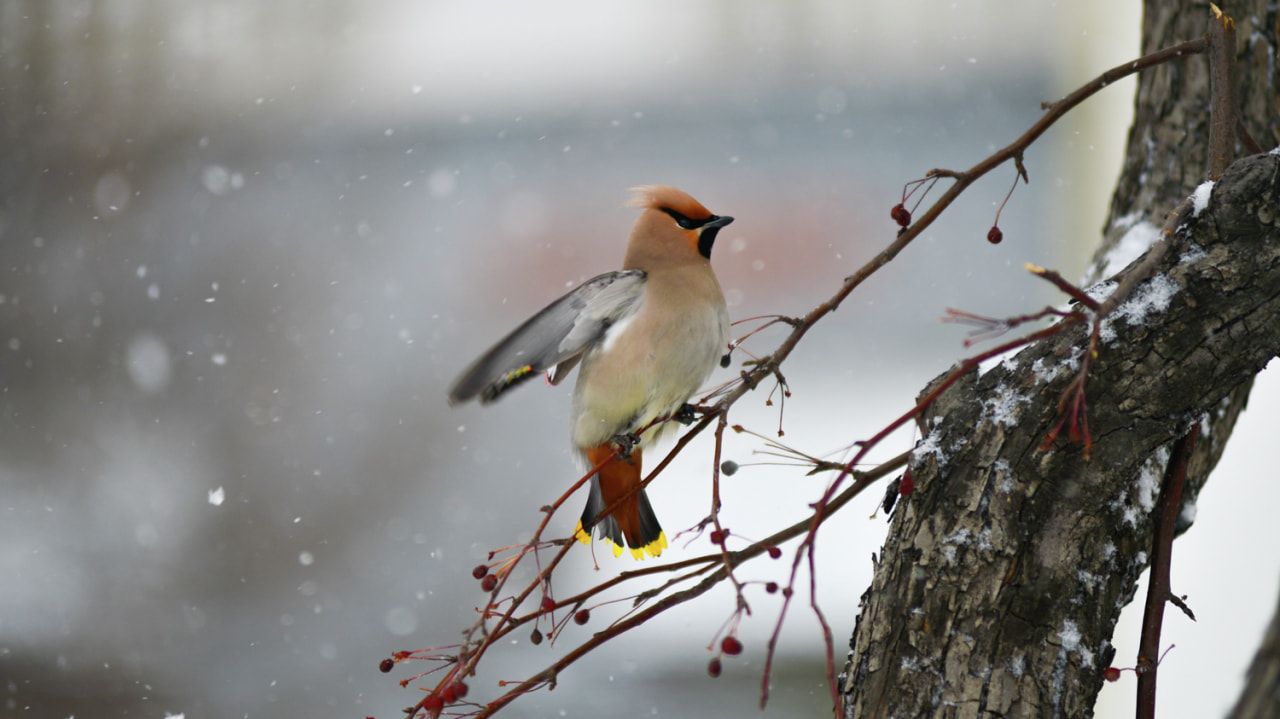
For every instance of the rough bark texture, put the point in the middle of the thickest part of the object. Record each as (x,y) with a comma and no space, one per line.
(1261,696)
(1003,575)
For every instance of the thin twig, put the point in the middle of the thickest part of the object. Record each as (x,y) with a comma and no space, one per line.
(1166,519)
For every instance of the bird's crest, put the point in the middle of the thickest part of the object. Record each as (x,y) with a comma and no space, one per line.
(665,197)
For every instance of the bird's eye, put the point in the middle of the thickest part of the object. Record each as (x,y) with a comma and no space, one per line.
(683,221)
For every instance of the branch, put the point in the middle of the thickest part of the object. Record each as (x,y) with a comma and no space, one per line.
(1158,590)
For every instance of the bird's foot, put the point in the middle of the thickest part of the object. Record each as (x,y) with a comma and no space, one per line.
(686,414)
(626,442)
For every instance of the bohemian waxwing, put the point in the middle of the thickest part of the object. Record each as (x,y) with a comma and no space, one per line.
(647,337)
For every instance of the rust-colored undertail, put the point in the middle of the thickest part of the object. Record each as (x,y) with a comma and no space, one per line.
(632,520)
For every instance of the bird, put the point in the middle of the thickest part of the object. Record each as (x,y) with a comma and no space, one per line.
(644,339)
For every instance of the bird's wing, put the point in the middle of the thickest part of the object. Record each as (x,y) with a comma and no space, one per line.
(555,337)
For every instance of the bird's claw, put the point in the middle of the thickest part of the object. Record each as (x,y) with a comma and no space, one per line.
(686,414)
(626,442)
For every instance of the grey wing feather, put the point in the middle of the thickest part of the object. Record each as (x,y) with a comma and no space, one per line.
(557,335)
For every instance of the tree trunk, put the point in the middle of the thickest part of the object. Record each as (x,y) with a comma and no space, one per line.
(1004,573)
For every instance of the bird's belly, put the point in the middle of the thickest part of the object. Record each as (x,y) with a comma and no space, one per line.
(624,386)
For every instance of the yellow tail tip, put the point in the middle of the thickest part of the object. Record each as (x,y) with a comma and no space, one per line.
(653,548)
(581,534)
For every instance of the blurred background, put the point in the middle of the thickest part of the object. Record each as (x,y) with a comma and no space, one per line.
(245,246)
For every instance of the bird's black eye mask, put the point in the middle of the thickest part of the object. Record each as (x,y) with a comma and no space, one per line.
(709,227)
(685,222)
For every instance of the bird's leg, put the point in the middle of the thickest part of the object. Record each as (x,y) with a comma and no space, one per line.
(626,442)
(686,414)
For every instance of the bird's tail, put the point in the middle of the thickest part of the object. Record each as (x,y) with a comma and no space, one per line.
(632,520)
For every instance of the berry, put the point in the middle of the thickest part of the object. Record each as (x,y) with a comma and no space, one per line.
(900,215)
(728,468)
(994,235)
(548,604)
(488,583)
(713,668)
(386,665)
(731,646)
(771,587)
(718,536)
(536,637)
(479,571)
(582,616)
(907,486)
(448,695)
(774,552)
(1111,674)
(461,689)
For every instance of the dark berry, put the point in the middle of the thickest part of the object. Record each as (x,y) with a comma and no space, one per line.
(713,667)
(900,215)
(448,695)
(488,583)
(731,646)
(479,571)
(907,486)
(536,637)
(774,552)
(582,616)
(994,235)
(1111,674)
(771,587)
(728,468)
(386,665)
(548,604)
(461,689)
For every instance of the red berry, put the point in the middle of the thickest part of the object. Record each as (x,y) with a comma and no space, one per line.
(731,646)
(900,215)
(461,689)
(488,583)
(432,705)
(479,571)
(771,587)
(774,552)
(907,486)
(994,235)
(1111,674)
(386,665)
(548,604)
(582,616)
(448,695)
(713,668)
(718,535)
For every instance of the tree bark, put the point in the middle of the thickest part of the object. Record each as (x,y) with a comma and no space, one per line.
(1004,573)
(1261,696)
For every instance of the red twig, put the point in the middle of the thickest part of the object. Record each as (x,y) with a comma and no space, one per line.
(1158,591)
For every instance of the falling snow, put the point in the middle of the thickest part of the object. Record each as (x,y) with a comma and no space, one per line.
(217,496)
